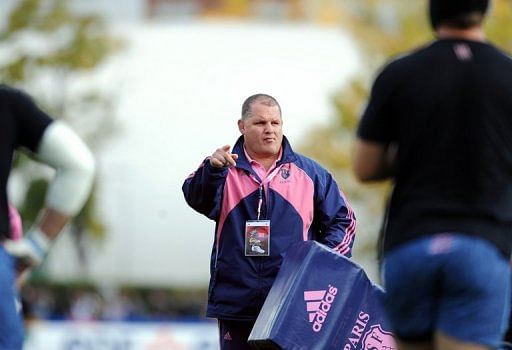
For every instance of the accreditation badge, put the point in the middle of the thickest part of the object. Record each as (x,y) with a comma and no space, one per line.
(257,238)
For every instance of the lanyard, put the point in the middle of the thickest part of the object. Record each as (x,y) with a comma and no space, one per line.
(260,201)
(266,180)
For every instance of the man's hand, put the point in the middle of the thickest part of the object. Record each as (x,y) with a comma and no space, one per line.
(222,158)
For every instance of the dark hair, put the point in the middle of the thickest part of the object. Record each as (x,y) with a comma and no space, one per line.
(461,14)
(264,99)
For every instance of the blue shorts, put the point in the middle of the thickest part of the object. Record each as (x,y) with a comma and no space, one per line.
(11,324)
(453,283)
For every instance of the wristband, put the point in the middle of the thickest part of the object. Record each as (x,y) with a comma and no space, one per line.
(39,241)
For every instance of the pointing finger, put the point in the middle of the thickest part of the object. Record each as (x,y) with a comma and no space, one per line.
(230,160)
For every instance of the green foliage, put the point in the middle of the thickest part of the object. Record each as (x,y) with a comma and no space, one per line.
(88,221)
(22,16)
(30,208)
(499,24)
(84,41)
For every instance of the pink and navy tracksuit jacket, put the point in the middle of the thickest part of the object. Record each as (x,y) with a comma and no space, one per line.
(301,200)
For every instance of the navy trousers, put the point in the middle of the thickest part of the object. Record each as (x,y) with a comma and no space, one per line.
(233,335)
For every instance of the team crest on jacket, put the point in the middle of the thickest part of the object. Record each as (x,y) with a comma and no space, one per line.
(285,173)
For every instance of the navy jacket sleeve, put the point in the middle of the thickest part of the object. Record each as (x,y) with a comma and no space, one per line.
(203,189)
(335,221)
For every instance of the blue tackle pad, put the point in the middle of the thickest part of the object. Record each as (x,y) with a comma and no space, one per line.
(322,300)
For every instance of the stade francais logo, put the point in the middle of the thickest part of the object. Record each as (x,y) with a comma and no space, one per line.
(318,304)
(285,173)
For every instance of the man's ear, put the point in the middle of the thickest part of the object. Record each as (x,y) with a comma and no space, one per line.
(241,126)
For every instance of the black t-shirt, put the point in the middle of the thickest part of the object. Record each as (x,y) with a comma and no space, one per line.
(22,124)
(448,108)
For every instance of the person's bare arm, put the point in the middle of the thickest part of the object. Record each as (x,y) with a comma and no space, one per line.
(63,150)
(373,161)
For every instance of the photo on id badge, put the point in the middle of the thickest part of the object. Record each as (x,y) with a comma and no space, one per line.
(257,238)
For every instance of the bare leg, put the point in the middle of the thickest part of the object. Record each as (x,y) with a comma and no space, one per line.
(445,342)
(414,346)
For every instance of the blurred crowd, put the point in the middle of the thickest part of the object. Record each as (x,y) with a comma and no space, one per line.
(90,303)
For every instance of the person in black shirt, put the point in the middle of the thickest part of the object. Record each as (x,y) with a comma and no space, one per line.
(24,126)
(439,122)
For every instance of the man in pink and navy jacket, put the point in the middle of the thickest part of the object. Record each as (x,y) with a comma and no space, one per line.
(263,197)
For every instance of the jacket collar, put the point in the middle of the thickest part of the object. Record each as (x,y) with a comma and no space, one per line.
(288,155)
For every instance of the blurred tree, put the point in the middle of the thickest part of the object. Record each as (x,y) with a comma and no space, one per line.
(380,29)
(44,45)
(225,8)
